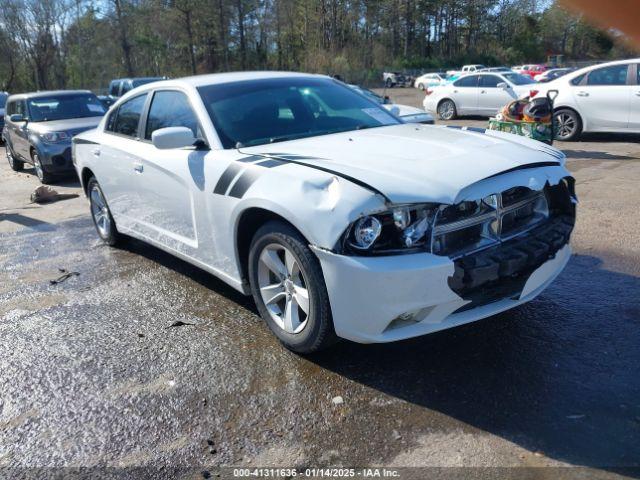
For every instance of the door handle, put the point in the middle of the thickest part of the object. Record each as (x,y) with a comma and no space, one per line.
(138,167)
(582,94)
(483,91)
(96,152)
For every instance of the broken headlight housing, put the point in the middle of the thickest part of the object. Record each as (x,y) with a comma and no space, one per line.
(403,229)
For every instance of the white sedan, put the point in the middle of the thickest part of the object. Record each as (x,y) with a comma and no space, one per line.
(600,98)
(430,80)
(338,218)
(477,94)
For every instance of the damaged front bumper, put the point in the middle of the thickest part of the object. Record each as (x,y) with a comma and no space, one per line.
(388,298)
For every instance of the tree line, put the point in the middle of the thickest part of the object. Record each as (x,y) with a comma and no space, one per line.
(47,44)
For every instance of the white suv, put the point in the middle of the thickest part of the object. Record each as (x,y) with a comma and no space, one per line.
(600,98)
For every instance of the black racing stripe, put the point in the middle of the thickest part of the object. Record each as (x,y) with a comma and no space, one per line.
(82,141)
(457,127)
(476,129)
(332,172)
(250,158)
(226,178)
(271,163)
(243,183)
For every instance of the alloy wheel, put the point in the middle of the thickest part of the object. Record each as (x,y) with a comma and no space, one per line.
(446,110)
(565,125)
(100,212)
(38,166)
(10,158)
(283,288)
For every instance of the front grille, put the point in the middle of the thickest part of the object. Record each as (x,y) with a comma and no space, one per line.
(495,250)
(474,225)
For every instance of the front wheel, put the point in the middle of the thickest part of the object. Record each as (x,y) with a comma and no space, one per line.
(289,290)
(44,177)
(447,110)
(421,86)
(101,215)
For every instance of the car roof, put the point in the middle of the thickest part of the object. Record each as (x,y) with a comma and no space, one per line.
(48,93)
(220,78)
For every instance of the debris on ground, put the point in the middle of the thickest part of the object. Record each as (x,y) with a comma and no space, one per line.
(337,400)
(396,435)
(65,276)
(46,194)
(179,323)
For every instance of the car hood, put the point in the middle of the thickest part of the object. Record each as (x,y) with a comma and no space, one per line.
(413,163)
(72,126)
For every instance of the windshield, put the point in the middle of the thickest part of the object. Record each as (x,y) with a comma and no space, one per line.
(369,94)
(257,112)
(64,107)
(518,79)
(3,99)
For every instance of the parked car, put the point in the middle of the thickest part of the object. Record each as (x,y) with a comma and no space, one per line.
(107,100)
(339,219)
(600,98)
(467,69)
(532,70)
(477,94)
(405,112)
(120,86)
(40,126)
(3,101)
(396,79)
(495,70)
(430,80)
(552,74)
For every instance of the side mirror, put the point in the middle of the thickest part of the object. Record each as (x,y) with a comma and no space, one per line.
(503,86)
(173,137)
(17,118)
(395,110)
(387,100)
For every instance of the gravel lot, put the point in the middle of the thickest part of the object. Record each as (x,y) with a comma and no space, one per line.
(92,374)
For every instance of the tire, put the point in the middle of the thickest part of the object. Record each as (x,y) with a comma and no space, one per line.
(101,215)
(44,177)
(388,83)
(280,260)
(568,125)
(15,164)
(421,86)
(447,110)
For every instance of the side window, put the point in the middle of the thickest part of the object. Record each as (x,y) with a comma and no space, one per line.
(638,74)
(113,89)
(489,81)
(11,108)
(468,81)
(171,109)
(128,116)
(126,86)
(614,75)
(578,80)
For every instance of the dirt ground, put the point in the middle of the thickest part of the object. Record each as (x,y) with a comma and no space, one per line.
(93,376)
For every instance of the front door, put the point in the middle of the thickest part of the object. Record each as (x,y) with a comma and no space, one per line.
(491,98)
(171,182)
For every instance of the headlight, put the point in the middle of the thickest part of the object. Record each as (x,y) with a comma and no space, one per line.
(54,137)
(403,229)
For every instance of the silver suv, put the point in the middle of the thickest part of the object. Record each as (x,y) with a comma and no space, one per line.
(39,127)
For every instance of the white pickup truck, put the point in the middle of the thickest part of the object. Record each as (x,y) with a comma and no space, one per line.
(466,70)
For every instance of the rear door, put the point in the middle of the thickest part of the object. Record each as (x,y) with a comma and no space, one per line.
(491,98)
(117,163)
(604,98)
(465,94)
(634,112)
(20,131)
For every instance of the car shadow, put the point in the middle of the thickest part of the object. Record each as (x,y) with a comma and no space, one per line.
(595,155)
(560,375)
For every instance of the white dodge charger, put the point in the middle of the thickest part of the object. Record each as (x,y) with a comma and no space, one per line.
(339,218)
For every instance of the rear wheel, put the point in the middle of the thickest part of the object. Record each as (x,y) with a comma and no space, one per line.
(43,176)
(15,164)
(447,110)
(101,215)
(567,124)
(388,83)
(289,290)
(421,86)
